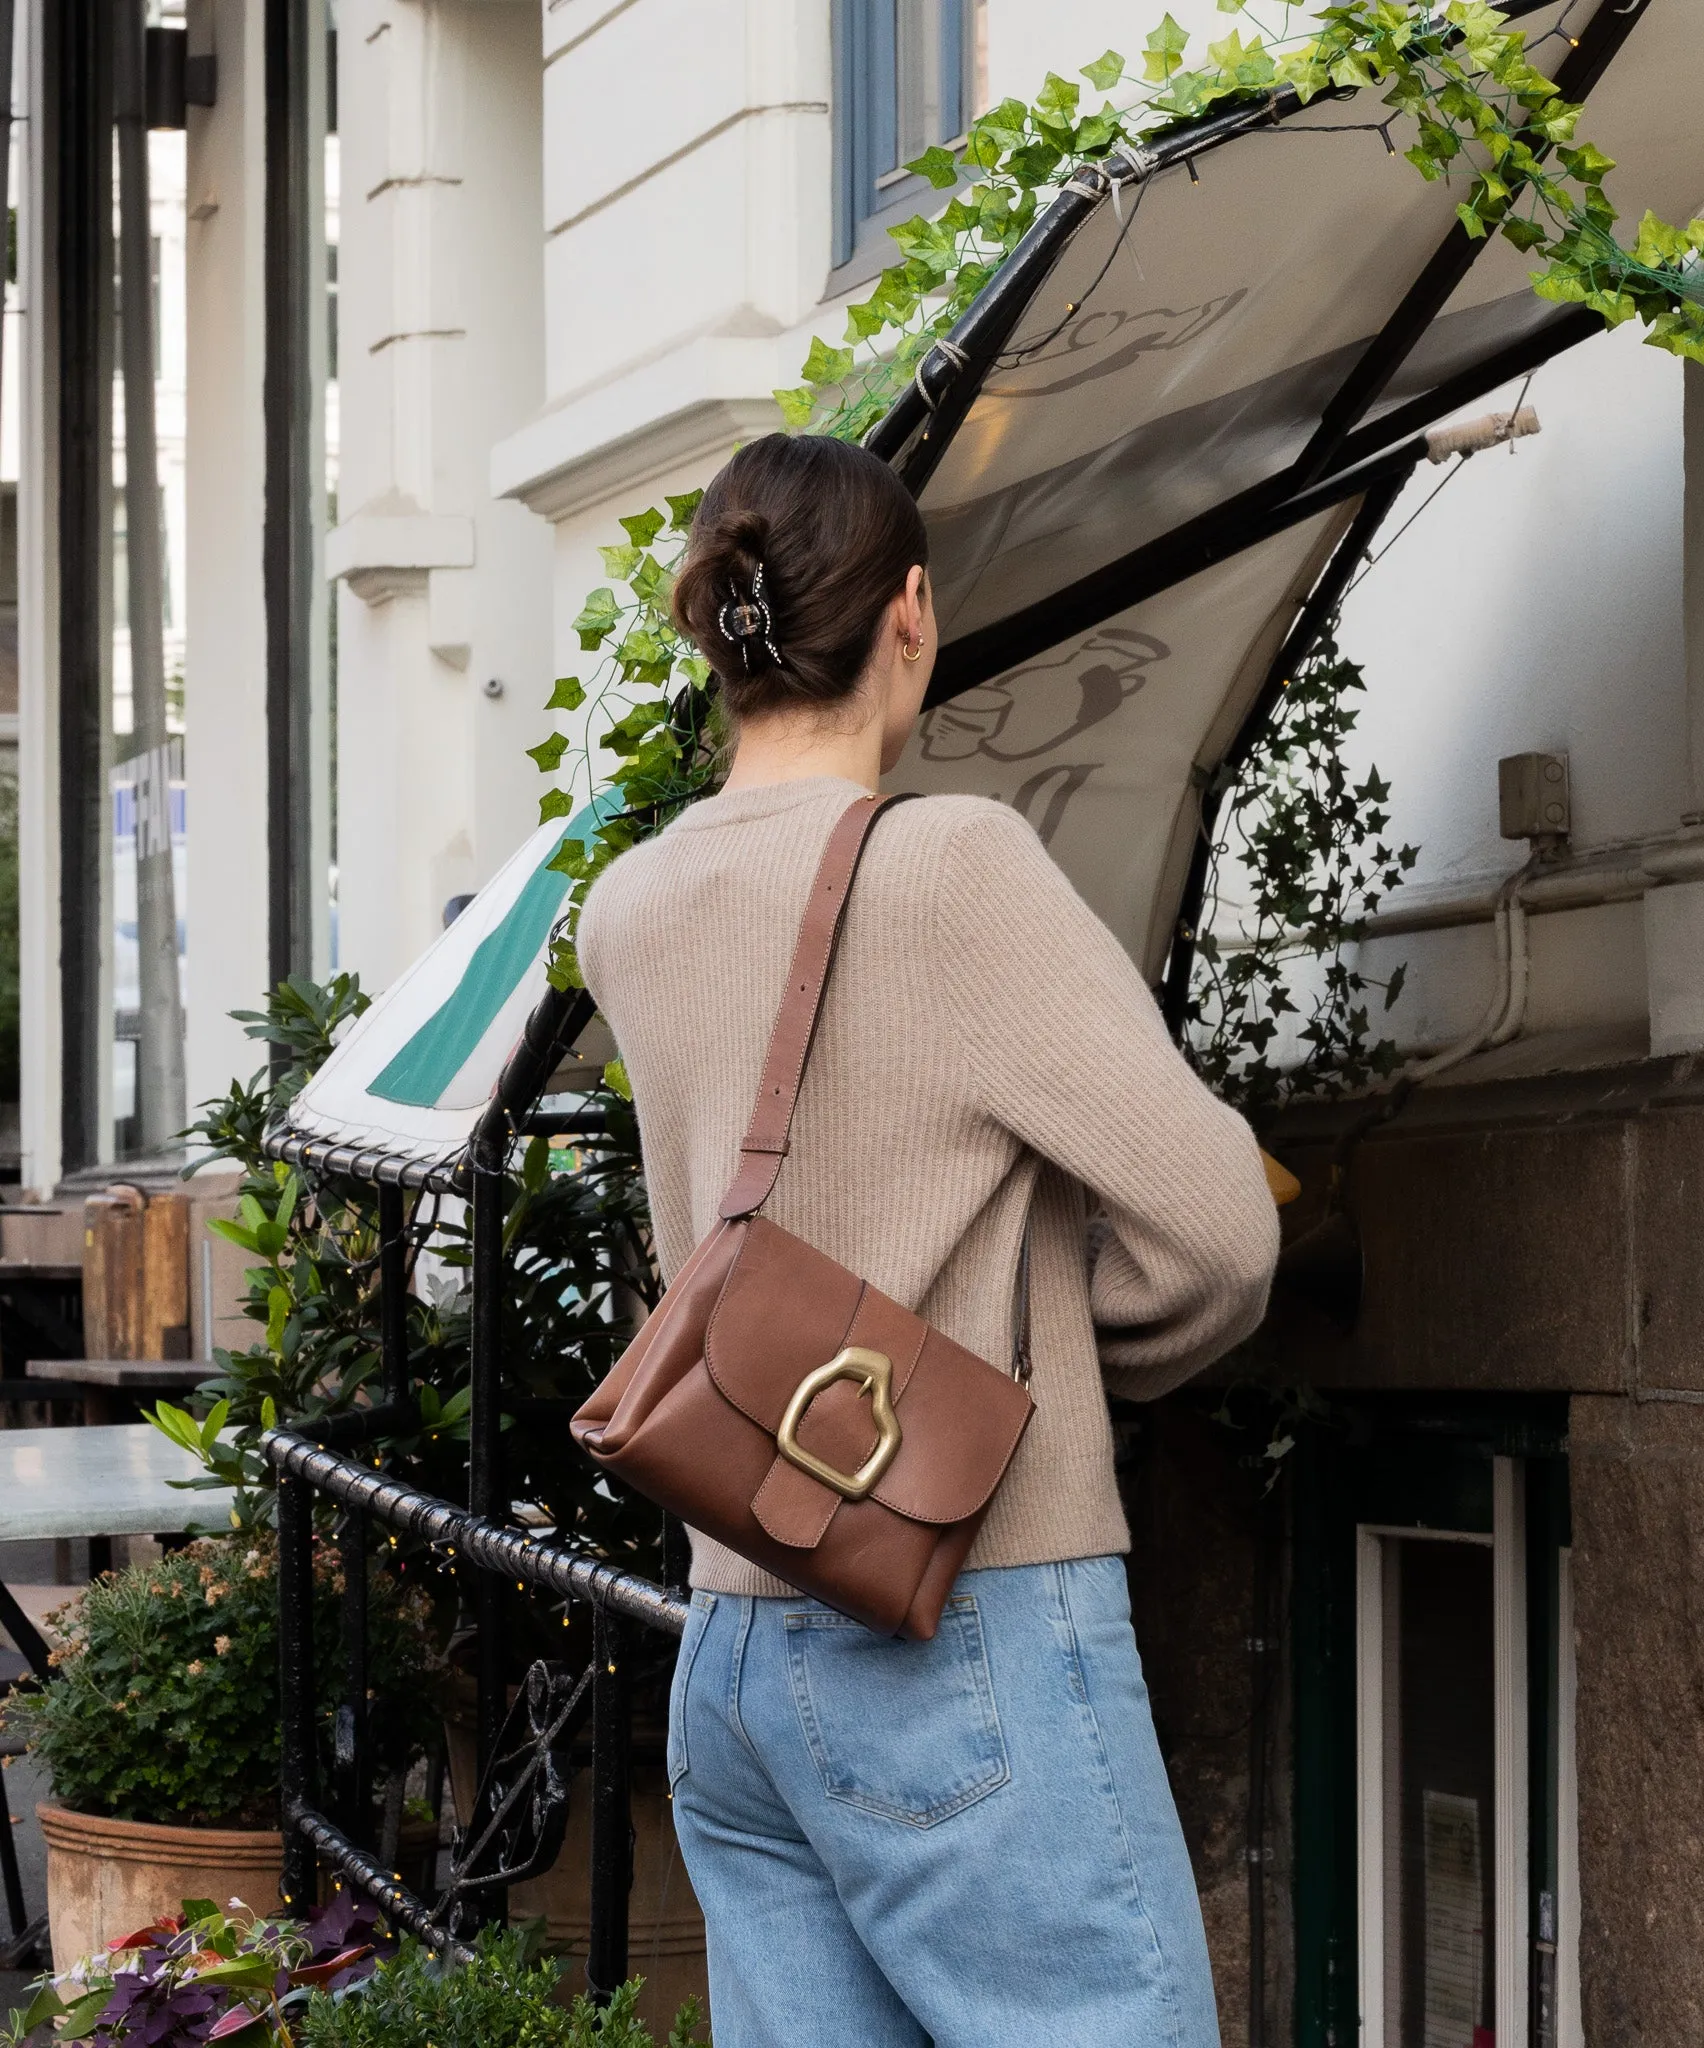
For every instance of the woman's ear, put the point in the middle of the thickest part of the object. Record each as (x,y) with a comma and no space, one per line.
(916,602)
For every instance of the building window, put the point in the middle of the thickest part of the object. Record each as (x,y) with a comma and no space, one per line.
(904,78)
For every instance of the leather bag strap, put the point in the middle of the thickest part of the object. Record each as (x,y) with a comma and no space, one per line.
(766,1140)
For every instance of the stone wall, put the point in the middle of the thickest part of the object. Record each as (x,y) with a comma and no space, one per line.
(1193,1511)
(1638,1501)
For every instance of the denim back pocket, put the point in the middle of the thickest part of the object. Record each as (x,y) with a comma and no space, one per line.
(905,1730)
(697,1621)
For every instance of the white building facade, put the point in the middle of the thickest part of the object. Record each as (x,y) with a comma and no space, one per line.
(579,245)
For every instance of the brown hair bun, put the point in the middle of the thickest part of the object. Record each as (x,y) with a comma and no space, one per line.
(798,546)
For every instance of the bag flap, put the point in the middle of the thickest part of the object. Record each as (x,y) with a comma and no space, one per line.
(787,1308)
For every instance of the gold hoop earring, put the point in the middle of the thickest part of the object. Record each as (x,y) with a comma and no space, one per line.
(912,653)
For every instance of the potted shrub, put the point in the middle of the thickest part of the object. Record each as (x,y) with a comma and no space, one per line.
(161,1728)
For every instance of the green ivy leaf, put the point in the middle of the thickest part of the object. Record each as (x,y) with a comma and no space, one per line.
(1107,69)
(1525,234)
(568,695)
(1095,131)
(682,505)
(1058,98)
(653,583)
(938,165)
(642,528)
(1035,163)
(620,562)
(1471,221)
(598,618)
(1005,125)
(615,1079)
(548,753)
(796,405)
(1585,163)
(555,803)
(826,365)
(864,320)
(1248,66)
(1354,69)
(1165,47)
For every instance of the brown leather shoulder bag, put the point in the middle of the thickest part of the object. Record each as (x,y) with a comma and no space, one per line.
(784,1406)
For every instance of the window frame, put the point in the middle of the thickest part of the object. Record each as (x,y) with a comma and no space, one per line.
(866,129)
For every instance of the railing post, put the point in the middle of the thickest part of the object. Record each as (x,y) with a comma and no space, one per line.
(296,1685)
(393,1293)
(353,1764)
(612,1821)
(485,1459)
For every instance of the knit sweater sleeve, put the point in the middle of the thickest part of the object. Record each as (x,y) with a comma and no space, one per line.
(1066,1049)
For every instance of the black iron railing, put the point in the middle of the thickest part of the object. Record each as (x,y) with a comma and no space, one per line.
(516,1829)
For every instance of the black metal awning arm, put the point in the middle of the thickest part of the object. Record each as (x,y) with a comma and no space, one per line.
(553,1567)
(557,1019)
(1598,46)
(1252,515)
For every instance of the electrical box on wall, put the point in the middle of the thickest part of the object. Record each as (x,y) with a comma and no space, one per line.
(1532,796)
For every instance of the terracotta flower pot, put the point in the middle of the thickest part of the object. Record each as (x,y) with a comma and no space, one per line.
(106,1878)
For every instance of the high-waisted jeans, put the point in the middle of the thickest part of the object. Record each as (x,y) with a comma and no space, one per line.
(969,1841)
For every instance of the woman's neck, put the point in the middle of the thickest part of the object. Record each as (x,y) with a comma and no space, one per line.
(794,748)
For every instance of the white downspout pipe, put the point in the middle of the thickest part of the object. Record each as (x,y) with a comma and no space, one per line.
(1507,1010)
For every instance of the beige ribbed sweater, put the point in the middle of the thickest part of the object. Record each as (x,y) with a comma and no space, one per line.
(984,1036)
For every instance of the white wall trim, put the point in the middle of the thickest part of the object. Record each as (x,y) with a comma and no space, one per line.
(386,554)
(693,403)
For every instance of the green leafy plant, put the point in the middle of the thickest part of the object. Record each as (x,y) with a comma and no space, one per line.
(165,1703)
(578,1271)
(505,1994)
(1308,847)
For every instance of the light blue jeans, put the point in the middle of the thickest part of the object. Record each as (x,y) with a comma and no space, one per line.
(969,1841)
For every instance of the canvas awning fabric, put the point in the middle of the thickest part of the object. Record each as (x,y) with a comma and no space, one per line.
(1139,467)
(412,1075)
(1141,431)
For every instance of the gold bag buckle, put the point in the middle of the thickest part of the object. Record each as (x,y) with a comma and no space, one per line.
(873,1370)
